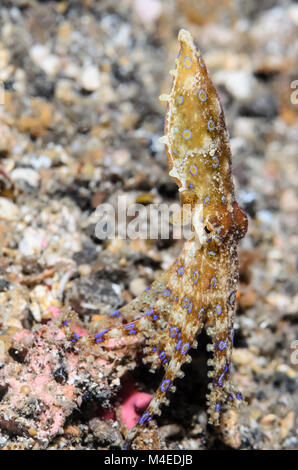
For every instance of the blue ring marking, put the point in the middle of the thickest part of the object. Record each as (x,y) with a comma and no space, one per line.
(65,323)
(223,199)
(174,151)
(186,132)
(206,200)
(239,396)
(101,333)
(230,398)
(193,169)
(75,337)
(211,253)
(178,344)
(215,161)
(162,355)
(147,288)
(217,407)
(185,302)
(145,417)
(129,325)
(200,92)
(213,282)
(115,314)
(181,270)
(232,298)
(167,292)
(132,332)
(195,276)
(222,345)
(201,311)
(179,99)
(184,62)
(218,309)
(185,348)
(189,308)
(149,312)
(155,317)
(177,298)
(210,125)
(165,385)
(200,61)
(220,380)
(164,361)
(154,348)
(173,331)
(191,186)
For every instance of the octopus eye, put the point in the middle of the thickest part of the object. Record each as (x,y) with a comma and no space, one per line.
(207,230)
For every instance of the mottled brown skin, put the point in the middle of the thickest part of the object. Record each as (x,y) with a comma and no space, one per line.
(199,290)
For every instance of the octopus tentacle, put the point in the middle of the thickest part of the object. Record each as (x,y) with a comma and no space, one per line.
(184,341)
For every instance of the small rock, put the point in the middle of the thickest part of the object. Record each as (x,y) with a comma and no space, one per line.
(90,80)
(26,174)
(286,424)
(137,286)
(35,310)
(14,323)
(247,298)
(169,430)
(121,157)
(32,242)
(42,161)
(48,62)
(73,430)
(268,419)
(8,210)
(239,83)
(229,429)
(65,91)
(285,369)
(84,269)
(104,432)
(4,284)
(38,119)
(148,10)
(289,201)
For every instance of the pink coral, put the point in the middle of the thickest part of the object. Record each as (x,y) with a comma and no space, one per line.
(133,405)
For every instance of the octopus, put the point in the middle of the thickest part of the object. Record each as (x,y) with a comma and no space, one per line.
(199,290)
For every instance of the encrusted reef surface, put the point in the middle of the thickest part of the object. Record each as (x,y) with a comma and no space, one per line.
(79,127)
